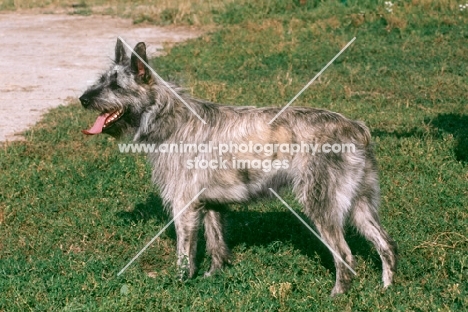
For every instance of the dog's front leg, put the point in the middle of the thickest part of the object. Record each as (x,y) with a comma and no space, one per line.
(187,226)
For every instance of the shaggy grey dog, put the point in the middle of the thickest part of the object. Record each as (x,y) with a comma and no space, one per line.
(332,187)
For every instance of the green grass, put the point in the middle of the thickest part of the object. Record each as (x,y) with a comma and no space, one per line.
(73,211)
(162,12)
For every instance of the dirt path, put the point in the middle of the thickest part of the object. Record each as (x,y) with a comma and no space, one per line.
(46,60)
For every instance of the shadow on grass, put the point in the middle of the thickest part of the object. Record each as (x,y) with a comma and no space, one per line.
(253,228)
(413,133)
(152,209)
(457,125)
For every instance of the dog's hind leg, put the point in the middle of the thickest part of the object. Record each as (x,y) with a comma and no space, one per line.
(332,234)
(326,200)
(215,241)
(364,216)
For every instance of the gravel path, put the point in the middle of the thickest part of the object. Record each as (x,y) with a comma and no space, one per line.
(47,60)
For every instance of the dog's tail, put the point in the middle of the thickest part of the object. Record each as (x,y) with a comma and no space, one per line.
(363,134)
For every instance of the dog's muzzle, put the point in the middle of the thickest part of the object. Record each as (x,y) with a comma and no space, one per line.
(84,101)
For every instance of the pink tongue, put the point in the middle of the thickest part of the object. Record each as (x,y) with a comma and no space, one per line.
(98,125)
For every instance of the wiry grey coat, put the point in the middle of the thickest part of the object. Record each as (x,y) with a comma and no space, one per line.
(332,187)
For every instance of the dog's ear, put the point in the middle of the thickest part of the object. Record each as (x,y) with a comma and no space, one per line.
(120,54)
(138,66)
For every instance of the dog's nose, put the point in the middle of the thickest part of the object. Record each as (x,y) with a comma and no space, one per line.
(84,101)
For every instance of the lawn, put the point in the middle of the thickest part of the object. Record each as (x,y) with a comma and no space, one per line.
(74,211)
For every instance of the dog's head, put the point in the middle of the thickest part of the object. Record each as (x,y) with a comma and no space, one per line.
(121,94)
